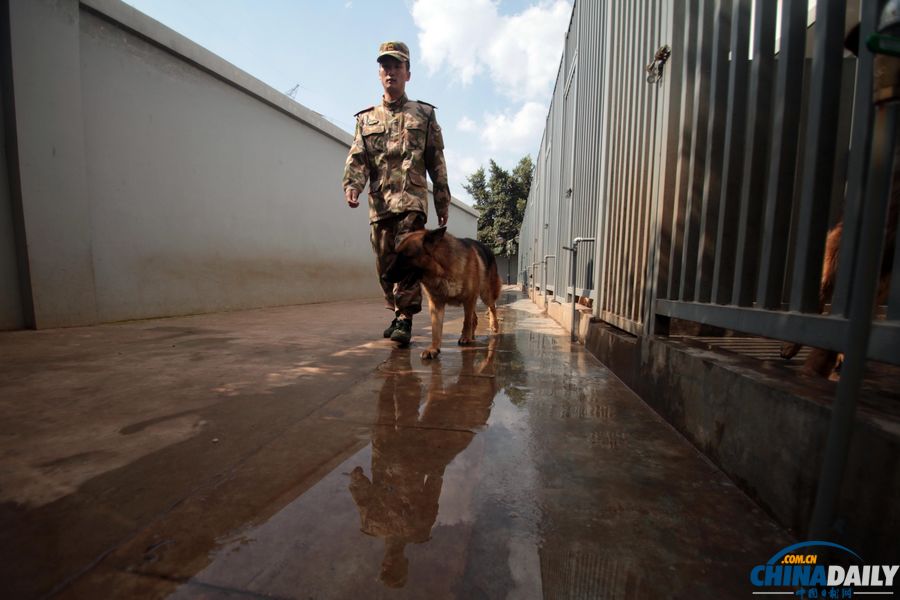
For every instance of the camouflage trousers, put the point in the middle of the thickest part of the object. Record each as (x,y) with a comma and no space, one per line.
(404,298)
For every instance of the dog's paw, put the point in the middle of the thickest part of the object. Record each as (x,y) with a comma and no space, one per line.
(430,353)
(789,350)
(464,341)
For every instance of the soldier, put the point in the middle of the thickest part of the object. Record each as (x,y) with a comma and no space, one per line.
(396,141)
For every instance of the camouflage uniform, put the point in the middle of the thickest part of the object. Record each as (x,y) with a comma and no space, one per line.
(395,144)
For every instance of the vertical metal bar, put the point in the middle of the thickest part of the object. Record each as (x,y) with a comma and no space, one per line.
(782,159)
(645,168)
(585,117)
(603,92)
(592,156)
(571,145)
(546,227)
(605,50)
(638,84)
(820,152)
(697,164)
(842,139)
(553,179)
(840,429)
(655,152)
(541,215)
(684,151)
(556,152)
(575,220)
(627,189)
(672,85)
(623,148)
(547,244)
(658,155)
(619,157)
(606,154)
(636,81)
(893,307)
(574,249)
(595,166)
(587,152)
(607,141)
(648,119)
(859,156)
(715,141)
(582,118)
(754,172)
(565,200)
(735,133)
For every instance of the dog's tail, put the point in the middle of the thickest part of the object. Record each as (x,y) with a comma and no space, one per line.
(490,267)
(487,257)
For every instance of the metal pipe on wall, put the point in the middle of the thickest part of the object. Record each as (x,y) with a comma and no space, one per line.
(544,277)
(574,251)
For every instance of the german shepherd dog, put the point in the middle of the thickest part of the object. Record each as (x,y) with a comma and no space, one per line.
(454,271)
(823,362)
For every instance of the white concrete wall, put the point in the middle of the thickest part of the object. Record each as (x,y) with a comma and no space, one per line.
(184,185)
(50,185)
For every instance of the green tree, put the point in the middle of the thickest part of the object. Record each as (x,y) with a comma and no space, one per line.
(500,197)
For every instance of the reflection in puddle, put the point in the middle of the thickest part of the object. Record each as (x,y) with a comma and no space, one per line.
(416,437)
(424,478)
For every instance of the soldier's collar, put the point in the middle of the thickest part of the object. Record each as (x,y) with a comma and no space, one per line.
(396,105)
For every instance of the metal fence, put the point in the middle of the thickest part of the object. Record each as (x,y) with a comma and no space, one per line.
(710,191)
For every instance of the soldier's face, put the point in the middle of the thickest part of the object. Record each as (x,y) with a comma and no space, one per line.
(394,75)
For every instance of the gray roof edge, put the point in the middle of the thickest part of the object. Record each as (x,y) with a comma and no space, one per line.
(131,18)
(456,202)
(463,206)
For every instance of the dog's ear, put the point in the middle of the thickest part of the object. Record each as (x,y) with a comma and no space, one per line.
(433,236)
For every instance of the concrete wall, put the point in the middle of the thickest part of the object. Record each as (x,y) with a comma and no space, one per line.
(157,179)
(763,429)
(50,185)
(766,431)
(11,316)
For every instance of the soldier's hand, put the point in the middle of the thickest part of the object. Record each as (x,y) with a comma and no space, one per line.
(352,197)
(442,218)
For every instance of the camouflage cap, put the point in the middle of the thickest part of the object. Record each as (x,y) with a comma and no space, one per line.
(398,50)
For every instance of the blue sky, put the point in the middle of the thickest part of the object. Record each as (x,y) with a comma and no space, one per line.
(488,66)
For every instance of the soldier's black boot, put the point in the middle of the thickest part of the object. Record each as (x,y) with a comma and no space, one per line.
(391,328)
(402,332)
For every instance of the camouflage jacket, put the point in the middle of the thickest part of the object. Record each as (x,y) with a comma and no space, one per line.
(393,147)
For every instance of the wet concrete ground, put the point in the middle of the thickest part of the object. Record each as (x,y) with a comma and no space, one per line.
(293,453)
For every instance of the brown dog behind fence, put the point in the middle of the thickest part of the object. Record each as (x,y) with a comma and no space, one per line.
(824,362)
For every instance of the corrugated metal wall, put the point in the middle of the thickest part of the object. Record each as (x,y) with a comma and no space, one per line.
(597,168)
(629,157)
